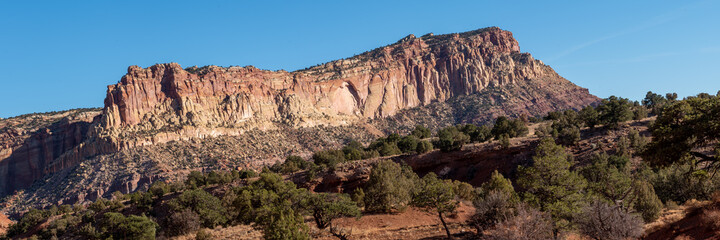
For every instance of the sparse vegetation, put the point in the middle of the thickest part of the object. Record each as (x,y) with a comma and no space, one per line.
(390,187)
(601,220)
(436,195)
(607,195)
(451,139)
(513,128)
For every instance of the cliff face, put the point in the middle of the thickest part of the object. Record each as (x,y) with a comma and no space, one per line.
(197,102)
(29,145)
(432,80)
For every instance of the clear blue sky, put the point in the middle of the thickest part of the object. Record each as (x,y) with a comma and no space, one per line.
(57,55)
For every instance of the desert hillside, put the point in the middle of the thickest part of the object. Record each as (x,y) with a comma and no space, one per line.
(160,122)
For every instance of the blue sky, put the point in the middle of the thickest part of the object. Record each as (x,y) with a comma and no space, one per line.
(57,55)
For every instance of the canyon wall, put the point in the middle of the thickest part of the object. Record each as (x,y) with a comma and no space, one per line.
(165,103)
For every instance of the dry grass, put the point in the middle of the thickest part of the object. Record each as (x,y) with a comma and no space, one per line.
(711,217)
(667,217)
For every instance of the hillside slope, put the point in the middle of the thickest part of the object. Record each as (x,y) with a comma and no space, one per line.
(164,120)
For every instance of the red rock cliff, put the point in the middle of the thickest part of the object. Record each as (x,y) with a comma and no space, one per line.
(412,72)
(166,102)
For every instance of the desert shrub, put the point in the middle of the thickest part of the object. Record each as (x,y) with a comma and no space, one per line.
(589,116)
(504,141)
(313,172)
(60,226)
(98,205)
(622,147)
(499,183)
(358,197)
(195,179)
(203,234)
(88,231)
(601,220)
(177,187)
(464,190)
(528,223)
(424,146)
(142,200)
(437,196)
(282,222)
(254,203)
(450,139)
(246,173)
(292,164)
(640,112)
(481,134)
(550,184)
(88,216)
(215,177)
(656,102)
(389,149)
(408,144)
(65,208)
(490,209)
(119,226)
(273,204)
(115,205)
(607,177)
(565,127)
(682,132)
(182,222)
(646,202)
(545,131)
(367,154)
(28,220)
(390,187)
(613,111)
(327,207)
(354,144)
(513,128)
(568,136)
(681,182)
(353,151)
(208,207)
(421,132)
(476,133)
(392,138)
(329,158)
(637,141)
(159,189)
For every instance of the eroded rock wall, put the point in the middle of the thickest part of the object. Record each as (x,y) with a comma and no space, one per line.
(412,72)
(482,72)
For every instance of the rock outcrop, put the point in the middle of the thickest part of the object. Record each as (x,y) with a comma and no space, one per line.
(211,101)
(434,80)
(28,145)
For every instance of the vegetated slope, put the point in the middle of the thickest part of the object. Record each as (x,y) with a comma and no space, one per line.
(28,143)
(263,116)
(415,224)
(474,163)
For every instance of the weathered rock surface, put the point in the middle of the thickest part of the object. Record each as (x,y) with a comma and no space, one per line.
(28,145)
(413,72)
(163,120)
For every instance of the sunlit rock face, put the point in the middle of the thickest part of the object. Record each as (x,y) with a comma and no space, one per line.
(412,72)
(165,103)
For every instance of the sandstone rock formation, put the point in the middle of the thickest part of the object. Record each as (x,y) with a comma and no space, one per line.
(434,79)
(30,144)
(211,101)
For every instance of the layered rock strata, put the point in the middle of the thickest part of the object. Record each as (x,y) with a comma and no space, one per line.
(482,72)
